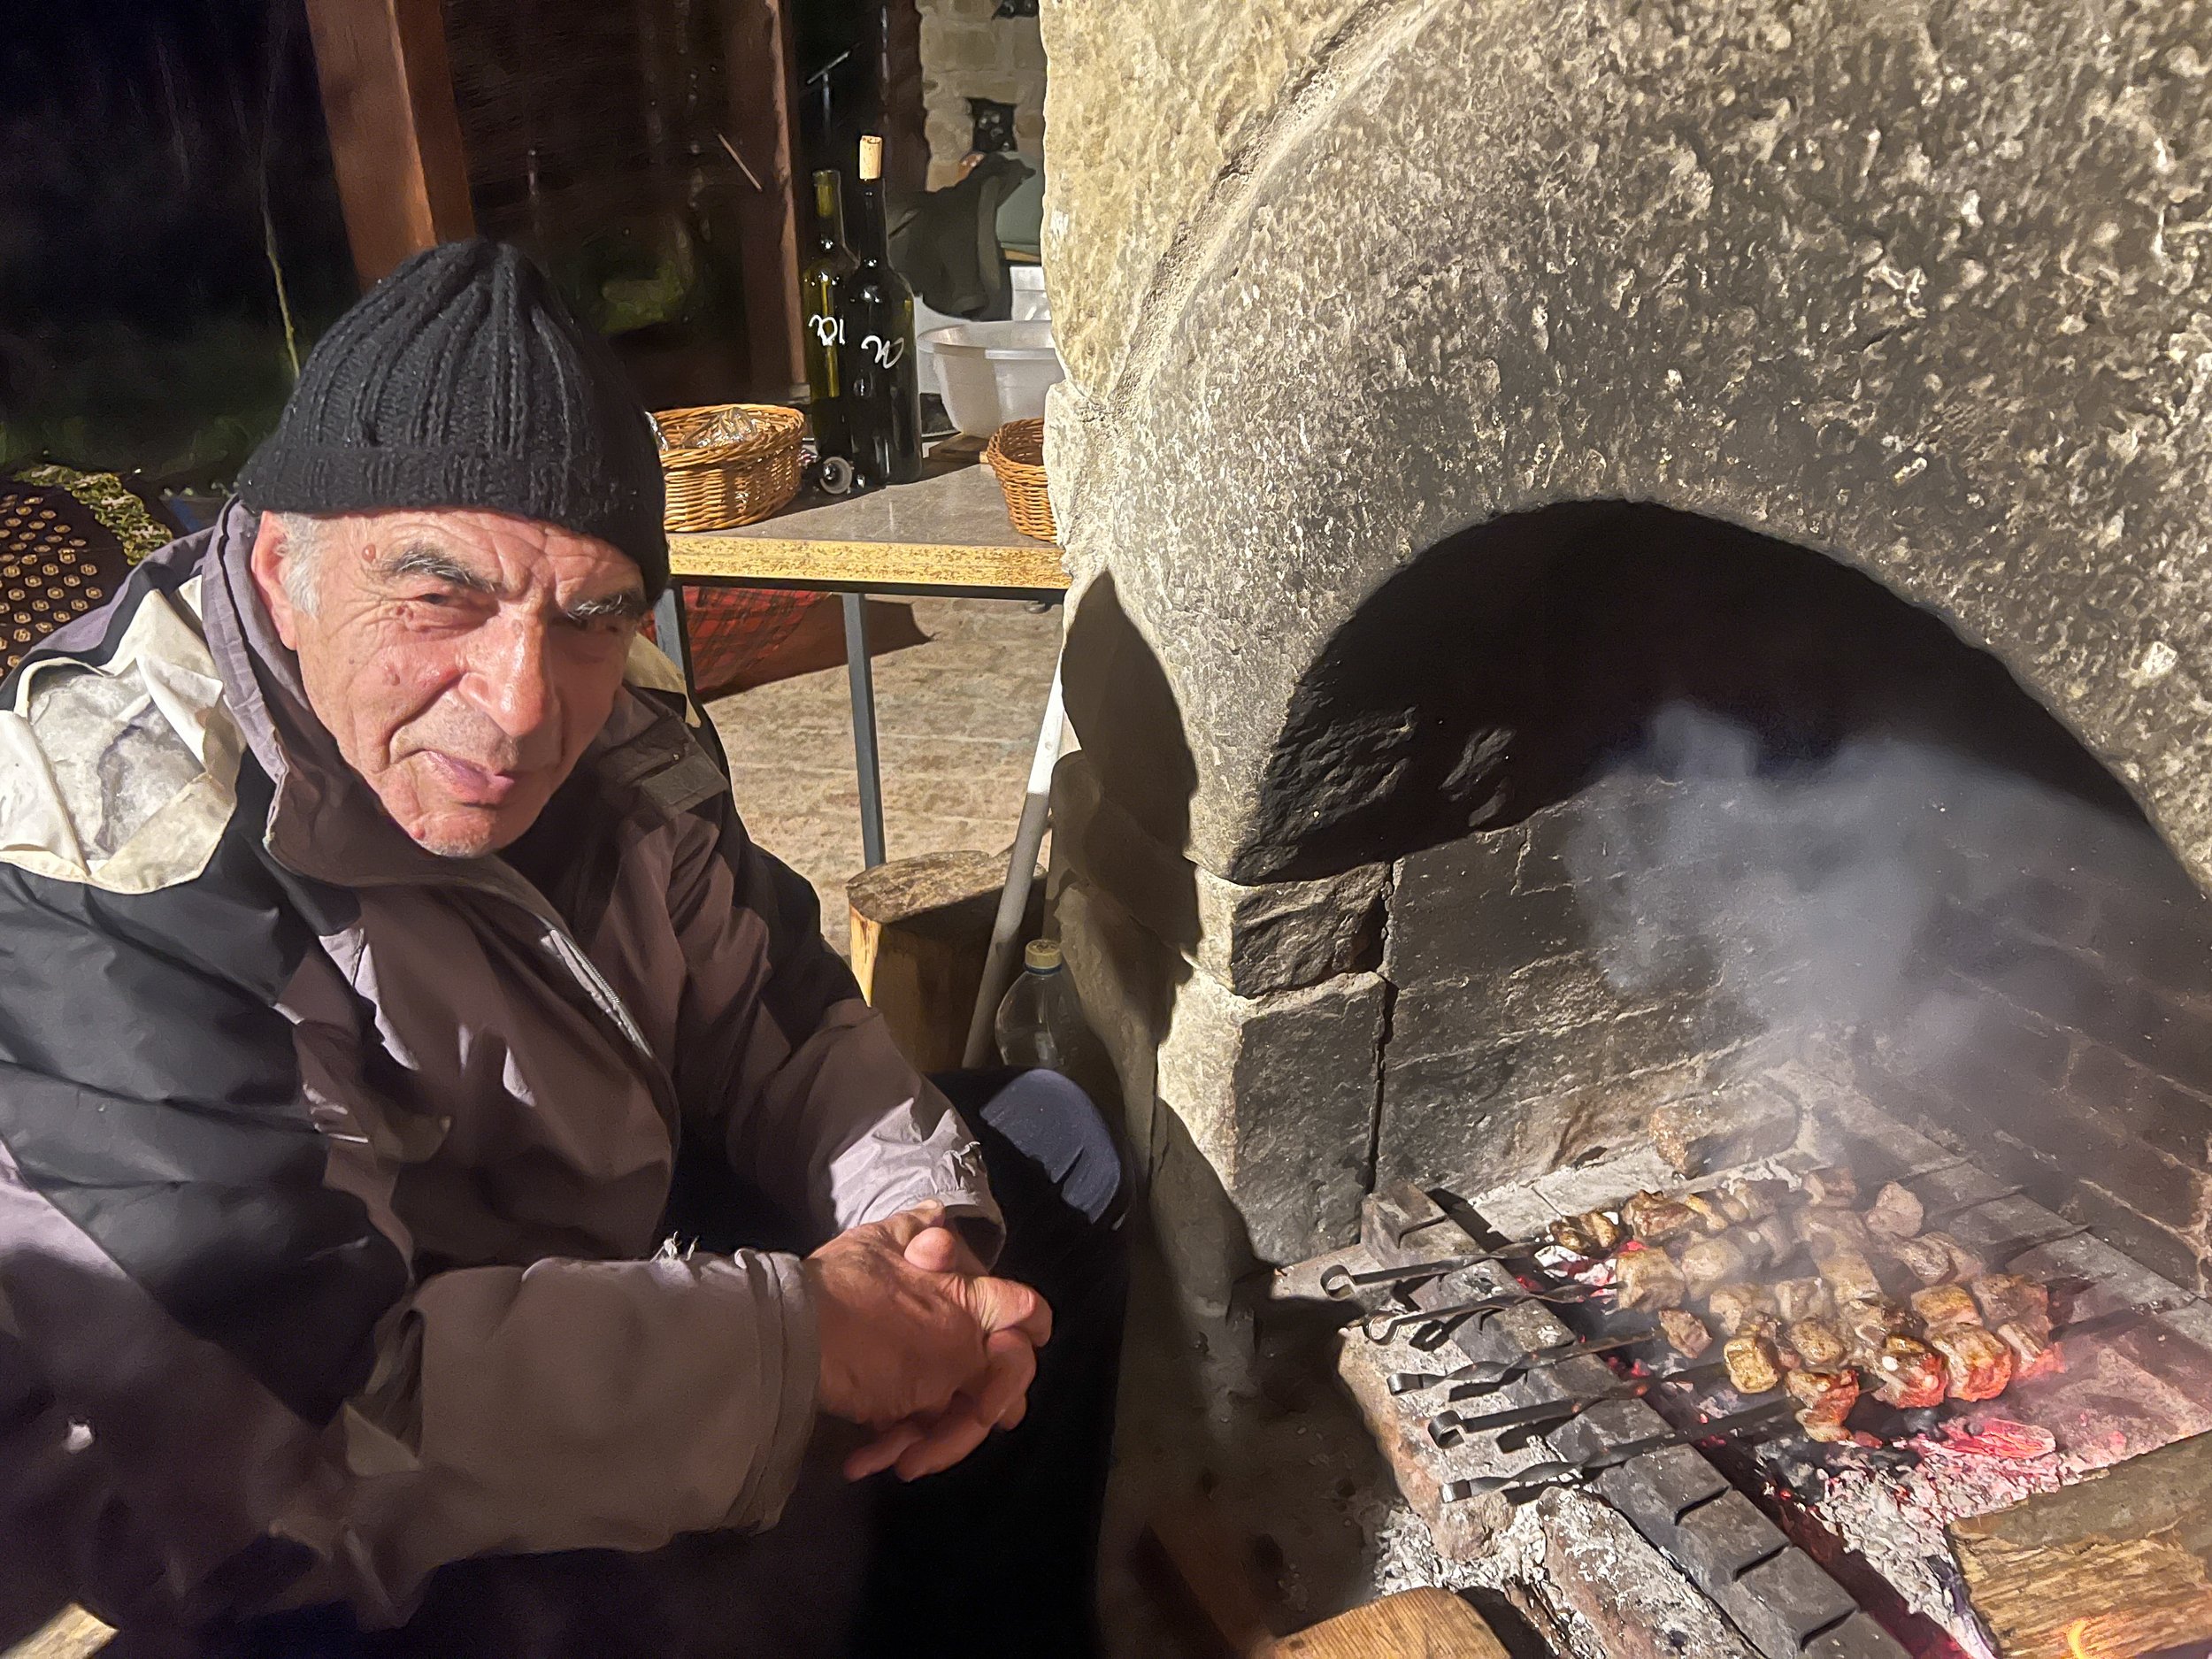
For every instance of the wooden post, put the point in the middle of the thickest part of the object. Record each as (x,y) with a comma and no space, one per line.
(899,85)
(763,132)
(394,135)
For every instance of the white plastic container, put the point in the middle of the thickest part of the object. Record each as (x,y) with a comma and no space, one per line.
(1030,302)
(989,374)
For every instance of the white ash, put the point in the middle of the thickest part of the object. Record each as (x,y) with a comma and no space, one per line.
(1897,1522)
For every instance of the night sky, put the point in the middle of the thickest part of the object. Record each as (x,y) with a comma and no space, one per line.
(139,320)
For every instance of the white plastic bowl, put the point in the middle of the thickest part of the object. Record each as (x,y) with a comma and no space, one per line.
(989,374)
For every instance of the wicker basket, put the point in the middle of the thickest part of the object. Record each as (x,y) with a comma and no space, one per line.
(1017,454)
(728,463)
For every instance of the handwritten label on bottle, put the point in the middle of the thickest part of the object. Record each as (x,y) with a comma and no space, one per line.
(888,353)
(829,330)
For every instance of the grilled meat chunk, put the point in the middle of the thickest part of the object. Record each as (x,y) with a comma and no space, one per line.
(1655,1220)
(1829,1229)
(1924,1257)
(1976,1364)
(1592,1233)
(2034,1352)
(1850,1277)
(1836,1185)
(1687,1334)
(1648,1279)
(1818,1342)
(1940,1305)
(1797,1299)
(1746,1202)
(1824,1397)
(1712,1262)
(1754,1367)
(1965,1264)
(1708,1209)
(1907,1374)
(1733,1305)
(2009,1299)
(1868,1326)
(1895,1213)
(2019,1311)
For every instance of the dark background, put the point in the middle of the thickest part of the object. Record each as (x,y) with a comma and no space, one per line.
(170,235)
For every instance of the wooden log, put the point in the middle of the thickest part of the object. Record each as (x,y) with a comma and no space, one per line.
(395,134)
(2118,1565)
(1424,1623)
(921,928)
(71,1633)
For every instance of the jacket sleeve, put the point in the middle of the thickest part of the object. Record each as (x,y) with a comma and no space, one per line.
(199,1267)
(778,1053)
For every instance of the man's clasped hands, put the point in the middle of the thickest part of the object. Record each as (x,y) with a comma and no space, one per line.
(919,1343)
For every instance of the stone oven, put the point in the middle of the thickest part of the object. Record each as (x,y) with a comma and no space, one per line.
(1640,569)
(1460,394)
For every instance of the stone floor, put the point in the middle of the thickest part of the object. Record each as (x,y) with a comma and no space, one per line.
(957,720)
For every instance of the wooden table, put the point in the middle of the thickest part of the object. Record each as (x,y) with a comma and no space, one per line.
(946,534)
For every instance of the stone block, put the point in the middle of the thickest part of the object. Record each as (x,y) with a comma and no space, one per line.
(1254,940)
(1279,1093)
(1454,915)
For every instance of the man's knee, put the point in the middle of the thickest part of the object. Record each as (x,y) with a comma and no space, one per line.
(1051,1123)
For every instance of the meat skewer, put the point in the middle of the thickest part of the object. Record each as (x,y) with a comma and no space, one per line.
(1648,1279)
(1940,1305)
(1895,1213)
(1977,1363)
(1818,1342)
(1687,1334)
(1754,1367)
(1733,1306)
(1657,1220)
(1825,1398)
(1908,1374)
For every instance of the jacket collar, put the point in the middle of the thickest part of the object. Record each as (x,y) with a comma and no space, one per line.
(325,821)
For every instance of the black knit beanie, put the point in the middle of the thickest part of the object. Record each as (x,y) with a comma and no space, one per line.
(461,381)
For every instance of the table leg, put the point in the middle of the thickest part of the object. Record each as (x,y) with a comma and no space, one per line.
(670,629)
(860,672)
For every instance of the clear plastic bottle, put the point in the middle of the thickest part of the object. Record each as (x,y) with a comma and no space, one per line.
(1040,1021)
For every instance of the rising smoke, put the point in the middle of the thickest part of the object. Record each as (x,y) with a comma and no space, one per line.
(1870,889)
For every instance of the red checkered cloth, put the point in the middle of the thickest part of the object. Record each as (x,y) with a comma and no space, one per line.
(731,629)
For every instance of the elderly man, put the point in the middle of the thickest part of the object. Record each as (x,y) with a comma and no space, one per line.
(450,1199)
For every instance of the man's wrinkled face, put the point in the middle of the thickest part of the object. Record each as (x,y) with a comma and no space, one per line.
(462,660)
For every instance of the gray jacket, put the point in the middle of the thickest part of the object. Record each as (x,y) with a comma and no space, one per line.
(332,1172)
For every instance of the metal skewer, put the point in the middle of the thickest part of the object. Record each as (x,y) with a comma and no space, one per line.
(1381,1327)
(1484,1374)
(1521,1485)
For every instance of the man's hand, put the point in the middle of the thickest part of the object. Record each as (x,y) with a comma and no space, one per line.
(916,1339)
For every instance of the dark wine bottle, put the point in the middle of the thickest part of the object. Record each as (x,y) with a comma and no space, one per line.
(828,391)
(883,387)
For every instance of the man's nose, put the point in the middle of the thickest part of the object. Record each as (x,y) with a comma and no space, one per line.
(511,681)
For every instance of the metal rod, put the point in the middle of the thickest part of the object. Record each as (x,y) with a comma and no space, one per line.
(1380,1327)
(861,675)
(1021,874)
(1340,1281)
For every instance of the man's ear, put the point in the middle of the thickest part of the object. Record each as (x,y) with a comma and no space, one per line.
(270,550)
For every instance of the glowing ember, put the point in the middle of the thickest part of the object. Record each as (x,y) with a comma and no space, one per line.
(2079,1643)
(1996,1437)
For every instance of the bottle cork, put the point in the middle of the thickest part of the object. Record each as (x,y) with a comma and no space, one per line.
(870,158)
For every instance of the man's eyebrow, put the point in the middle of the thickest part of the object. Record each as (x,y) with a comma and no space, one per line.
(627,606)
(421,559)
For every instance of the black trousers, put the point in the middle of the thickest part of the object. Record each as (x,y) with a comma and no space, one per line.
(996,1555)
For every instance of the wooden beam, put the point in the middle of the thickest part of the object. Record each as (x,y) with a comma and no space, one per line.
(394,135)
(2118,1565)
(899,85)
(762,77)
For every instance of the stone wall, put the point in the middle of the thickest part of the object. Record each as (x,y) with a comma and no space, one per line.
(1924,289)
(970,52)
